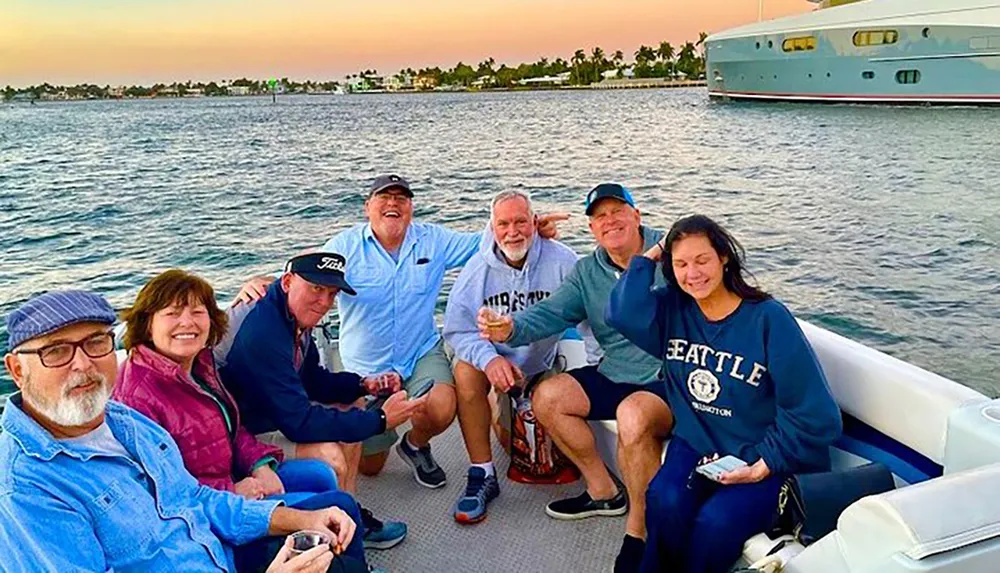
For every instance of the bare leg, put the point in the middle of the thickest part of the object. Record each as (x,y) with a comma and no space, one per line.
(372,464)
(437,416)
(644,421)
(561,405)
(472,389)
(343,458)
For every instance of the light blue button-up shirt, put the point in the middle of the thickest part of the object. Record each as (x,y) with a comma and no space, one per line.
(65,507)
(389,324)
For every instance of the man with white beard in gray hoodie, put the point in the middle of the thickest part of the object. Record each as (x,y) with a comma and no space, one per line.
(513,270)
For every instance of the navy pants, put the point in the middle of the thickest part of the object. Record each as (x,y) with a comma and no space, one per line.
(695,525)
(309,485)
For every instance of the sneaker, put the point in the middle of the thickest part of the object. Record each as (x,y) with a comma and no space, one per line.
(480,490)
(425,470)
(582,506)
(381,535)
(630,556)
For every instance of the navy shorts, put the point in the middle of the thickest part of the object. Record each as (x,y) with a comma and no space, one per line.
(605,395)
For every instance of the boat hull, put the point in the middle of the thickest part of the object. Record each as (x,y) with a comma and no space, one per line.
(942,64)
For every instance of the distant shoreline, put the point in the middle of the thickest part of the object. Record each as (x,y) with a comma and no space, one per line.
(616,84)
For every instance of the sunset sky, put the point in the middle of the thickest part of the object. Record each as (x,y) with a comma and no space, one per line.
(146,41)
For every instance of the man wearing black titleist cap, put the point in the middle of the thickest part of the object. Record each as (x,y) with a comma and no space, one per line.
(397,266)
(270,363)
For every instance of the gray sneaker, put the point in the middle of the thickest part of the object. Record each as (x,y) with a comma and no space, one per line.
(425,470)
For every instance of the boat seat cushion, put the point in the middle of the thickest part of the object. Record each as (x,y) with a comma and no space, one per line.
(906,403)
(922,520)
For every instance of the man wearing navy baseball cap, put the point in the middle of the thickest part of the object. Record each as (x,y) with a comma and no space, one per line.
(269,362)
(110,481)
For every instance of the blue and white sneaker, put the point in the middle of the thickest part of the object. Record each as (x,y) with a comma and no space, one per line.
(379,535)
(480,490)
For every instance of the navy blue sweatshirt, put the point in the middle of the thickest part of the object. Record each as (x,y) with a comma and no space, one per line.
(257,365)
(748,385)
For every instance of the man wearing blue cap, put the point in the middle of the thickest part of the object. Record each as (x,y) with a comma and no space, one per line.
(625,375)
(92,485)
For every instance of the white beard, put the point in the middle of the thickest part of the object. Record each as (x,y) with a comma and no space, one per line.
(72,411)
(518,254)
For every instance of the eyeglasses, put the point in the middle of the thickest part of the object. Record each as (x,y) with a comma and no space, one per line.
(62,353)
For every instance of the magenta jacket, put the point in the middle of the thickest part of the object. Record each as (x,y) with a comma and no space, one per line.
(155,386)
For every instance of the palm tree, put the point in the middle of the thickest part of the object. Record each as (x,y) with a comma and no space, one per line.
(597,56)
(616,59)
(579,57)
(687,60)
(644,55)
(702,36)
(666,54)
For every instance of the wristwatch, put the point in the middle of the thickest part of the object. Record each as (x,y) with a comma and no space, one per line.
(382,419)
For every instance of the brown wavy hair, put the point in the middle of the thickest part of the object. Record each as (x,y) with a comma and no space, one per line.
(167,289)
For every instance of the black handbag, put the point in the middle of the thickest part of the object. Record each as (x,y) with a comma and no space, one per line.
(810,504)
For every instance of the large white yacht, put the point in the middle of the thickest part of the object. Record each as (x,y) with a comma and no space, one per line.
(889,51)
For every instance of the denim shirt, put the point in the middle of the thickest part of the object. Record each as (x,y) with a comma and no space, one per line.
(66,508)
(389,324)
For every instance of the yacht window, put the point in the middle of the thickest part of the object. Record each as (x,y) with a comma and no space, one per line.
(800,44)
(875,37)
(868,75)
(908,76)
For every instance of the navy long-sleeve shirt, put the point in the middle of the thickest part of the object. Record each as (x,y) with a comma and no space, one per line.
(748,385)
(257,365)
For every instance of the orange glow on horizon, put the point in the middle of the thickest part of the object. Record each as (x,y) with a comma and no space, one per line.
(117,42)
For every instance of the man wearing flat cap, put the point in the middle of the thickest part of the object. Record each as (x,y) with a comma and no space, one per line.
(87,484)
(270,363)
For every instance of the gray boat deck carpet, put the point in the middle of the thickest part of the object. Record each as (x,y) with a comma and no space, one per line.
(516,537)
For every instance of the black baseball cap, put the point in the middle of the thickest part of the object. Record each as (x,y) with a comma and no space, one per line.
(613,190)
(386,182)
(326,269)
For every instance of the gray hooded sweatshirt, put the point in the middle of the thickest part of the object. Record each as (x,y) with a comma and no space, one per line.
(487,280)
(584,296)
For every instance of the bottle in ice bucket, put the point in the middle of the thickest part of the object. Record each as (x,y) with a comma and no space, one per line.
(534,457)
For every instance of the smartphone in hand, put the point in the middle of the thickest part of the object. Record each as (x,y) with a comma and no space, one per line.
(420,392)
(714,470)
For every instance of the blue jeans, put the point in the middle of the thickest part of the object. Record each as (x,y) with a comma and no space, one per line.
(695,525)
(309,485)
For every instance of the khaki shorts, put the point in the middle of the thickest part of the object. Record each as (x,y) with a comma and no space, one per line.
(276,438)
(433,367)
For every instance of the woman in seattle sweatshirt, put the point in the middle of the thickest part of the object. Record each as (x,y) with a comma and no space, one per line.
(741,380)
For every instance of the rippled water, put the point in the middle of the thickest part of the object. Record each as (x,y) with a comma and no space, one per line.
(879,223)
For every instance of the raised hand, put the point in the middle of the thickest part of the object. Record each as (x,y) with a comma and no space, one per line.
(253,290)
(494,326)
(547,224)
(383,383)
(398,409)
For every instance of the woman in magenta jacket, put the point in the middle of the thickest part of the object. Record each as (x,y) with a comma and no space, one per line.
(170,377)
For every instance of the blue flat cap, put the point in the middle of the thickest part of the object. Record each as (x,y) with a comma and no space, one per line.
(54,310)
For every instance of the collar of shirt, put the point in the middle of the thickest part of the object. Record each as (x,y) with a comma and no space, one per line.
(37,442)
(413,234)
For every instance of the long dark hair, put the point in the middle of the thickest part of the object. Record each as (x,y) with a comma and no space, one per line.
(725,246)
